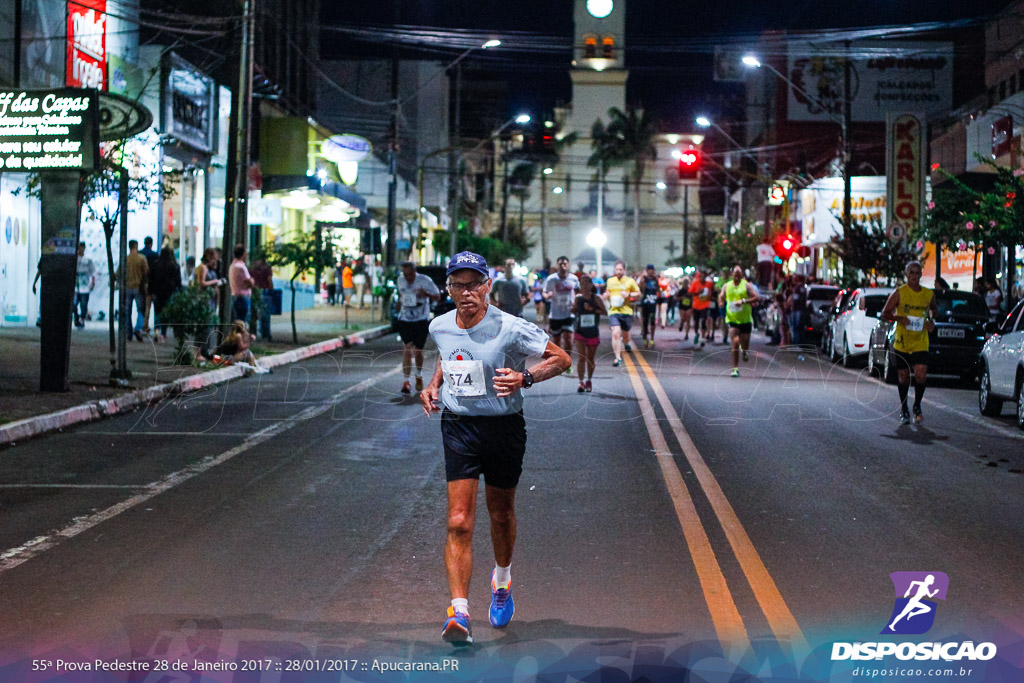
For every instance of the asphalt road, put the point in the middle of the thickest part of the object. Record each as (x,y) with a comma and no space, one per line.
(670,516)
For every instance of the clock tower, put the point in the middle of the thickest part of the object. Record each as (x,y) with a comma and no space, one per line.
(598,66)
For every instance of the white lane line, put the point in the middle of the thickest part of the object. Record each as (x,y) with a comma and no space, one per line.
(130,487)
(13,557)
(970,417)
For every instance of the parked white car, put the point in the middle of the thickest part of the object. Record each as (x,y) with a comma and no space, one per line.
(851,329)
(1002,366)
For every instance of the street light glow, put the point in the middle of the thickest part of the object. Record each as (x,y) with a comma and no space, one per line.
(751,61)
(548,171)
(491,43)
(660,185)
(703,121)
(596,238)
(557,190)
(523,118)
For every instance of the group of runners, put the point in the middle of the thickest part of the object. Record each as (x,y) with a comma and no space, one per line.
(480,378)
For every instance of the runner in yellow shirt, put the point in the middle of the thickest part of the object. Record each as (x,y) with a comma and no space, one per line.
(913,309)
(620,291)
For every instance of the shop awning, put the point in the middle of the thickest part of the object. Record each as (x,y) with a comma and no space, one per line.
(330,188)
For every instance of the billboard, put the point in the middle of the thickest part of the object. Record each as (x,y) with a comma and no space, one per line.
(905,151)
(87,44)
(42,130)
(821,206)
(884,77)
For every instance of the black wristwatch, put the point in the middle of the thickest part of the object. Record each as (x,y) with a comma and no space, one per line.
(527,379)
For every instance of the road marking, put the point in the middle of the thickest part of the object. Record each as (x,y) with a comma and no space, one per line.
(76,486)
(724,614)
(970,417)
(779,617)
(13,557)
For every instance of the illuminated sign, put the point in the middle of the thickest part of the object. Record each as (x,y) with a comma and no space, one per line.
(48,129)
(342,148)
(905,169)
(87,44)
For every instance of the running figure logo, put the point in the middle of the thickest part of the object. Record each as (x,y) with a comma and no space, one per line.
(914,611)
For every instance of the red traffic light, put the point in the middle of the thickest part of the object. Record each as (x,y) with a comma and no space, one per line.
(689,163)
(785,245)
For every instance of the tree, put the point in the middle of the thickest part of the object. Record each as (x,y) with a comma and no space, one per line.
(965,218)
(867,252)
(627,139)
(303,254)
(520,179)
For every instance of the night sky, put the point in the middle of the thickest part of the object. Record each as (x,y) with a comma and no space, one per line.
(666,76)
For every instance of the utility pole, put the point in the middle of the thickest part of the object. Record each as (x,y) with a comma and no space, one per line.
(847,146)
(17,43)
(390,252)
(237,189)
(456,212)
(543,217)
(504,192)
(686,221)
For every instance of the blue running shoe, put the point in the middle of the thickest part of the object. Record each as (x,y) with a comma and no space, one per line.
(456,628)
(502,605)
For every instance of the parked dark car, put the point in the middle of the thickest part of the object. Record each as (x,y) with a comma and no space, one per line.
(819,302)
(954,347)
(832,312)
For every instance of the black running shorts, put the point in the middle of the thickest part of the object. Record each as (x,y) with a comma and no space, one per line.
(414,333)
(742,328)
(907,361)
(559,325)
(491,445)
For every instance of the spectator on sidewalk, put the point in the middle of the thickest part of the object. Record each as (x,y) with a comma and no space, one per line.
(136,276)
(151,257)
(331,278)
(993,299)
(263,277)
(359,279)
(241,285)
(237,347)
(85,282)
(165,280)
(206,278)
(347,286)
(798,309)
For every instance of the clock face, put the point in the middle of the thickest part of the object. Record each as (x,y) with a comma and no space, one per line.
(599,8)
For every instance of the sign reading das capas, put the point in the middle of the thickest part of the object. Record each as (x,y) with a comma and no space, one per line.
(46,130)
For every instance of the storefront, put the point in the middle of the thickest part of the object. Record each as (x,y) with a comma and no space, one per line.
(820,212)
(19,251)
(303,193)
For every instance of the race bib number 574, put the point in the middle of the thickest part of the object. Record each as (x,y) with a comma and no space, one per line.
(464,377)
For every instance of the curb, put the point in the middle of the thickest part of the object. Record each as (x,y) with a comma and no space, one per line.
(95,410)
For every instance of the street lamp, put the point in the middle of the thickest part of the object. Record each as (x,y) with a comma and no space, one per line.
(705,122)
(597,239)
(752,61)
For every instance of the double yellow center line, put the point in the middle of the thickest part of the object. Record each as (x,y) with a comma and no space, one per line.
(724,614)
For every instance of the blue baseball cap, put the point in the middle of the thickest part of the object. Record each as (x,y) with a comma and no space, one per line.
(467,259)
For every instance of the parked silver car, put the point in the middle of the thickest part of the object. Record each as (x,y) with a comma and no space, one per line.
(1002,366)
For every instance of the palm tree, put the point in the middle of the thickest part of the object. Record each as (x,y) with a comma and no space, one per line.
(520,179)
(627,139)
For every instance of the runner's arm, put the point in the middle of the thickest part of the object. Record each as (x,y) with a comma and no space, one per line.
(889,311)
(432,392)
(553,362)
(754,295)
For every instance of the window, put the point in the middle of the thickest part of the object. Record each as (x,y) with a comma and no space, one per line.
(874,304)
(589,47)
(1002,90)
(1007,325)
(963,303)
(608,47)
(1013,84)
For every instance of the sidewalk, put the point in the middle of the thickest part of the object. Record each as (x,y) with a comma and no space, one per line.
(151,364)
